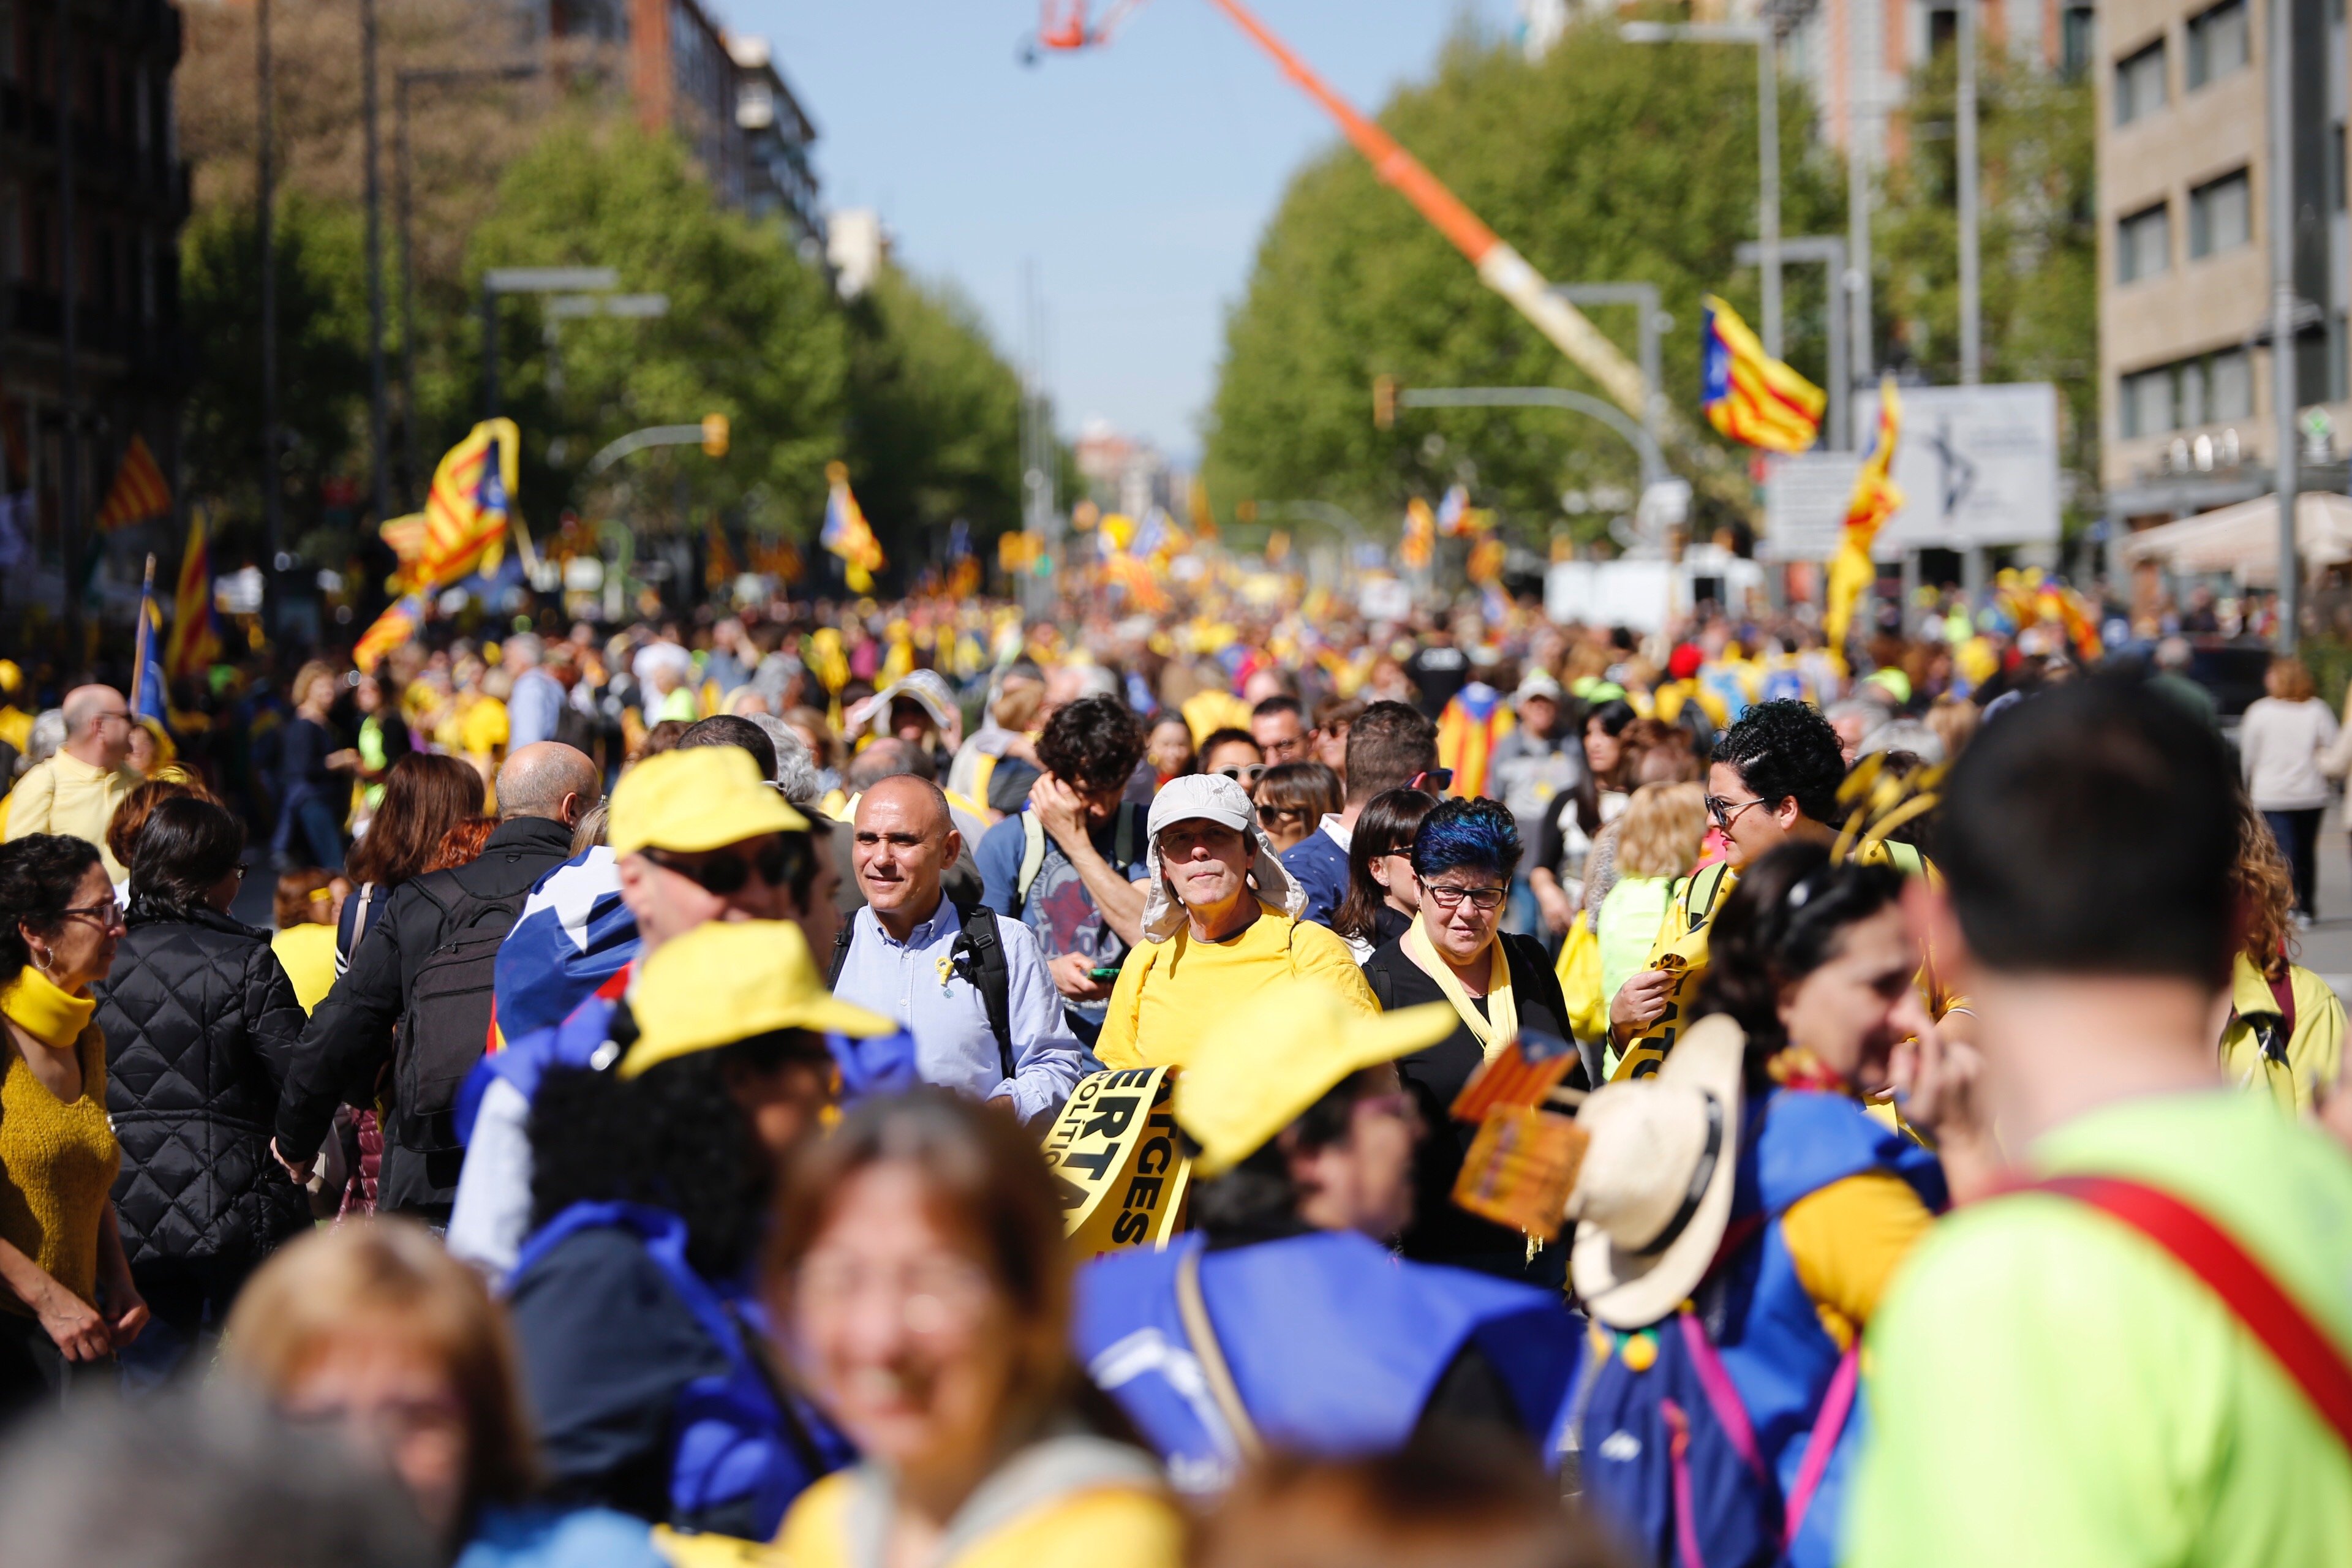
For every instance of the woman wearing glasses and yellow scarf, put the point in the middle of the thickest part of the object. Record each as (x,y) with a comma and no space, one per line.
(1464,855)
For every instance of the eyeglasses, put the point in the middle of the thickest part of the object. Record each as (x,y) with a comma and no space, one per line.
(1437,781)
(1270,815)
(1248,775)
(107,916)
(1485,899)
(724,874)
(1727,812)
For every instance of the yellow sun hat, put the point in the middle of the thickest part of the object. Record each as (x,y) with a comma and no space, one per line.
(696,798)
(732,980)
(1245,1084)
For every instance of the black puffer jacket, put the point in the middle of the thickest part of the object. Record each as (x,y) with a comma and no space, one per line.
(200,1021)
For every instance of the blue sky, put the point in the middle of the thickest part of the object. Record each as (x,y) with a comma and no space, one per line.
(1137,178)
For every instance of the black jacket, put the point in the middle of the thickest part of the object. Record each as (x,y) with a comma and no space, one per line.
(1440,1232)
(350,1040)
(200,1023)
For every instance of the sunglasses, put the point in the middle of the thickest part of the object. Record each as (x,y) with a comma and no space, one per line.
(1727,812)
(1248,775)
(724,874)
(1273,813)
(1437,781)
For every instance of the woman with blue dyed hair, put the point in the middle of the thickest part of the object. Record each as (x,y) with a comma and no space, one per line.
(1464,855)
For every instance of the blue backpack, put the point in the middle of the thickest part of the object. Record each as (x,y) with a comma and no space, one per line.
(1670,1457)
(741,1448)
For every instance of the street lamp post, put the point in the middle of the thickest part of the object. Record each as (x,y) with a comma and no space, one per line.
(379,414)
(1643,298)
(500,280)
(413,462)
(1971,287)
(1644,444)
(2284,312)
(1765,36)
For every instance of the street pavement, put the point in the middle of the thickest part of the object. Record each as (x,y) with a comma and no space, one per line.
(2328,945)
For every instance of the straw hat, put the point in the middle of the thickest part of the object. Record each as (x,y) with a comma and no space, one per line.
(1653,1195)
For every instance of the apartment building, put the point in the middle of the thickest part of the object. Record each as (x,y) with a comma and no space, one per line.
(68,424)
(2186,183)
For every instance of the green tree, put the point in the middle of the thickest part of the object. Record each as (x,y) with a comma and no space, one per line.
(1604,162)
(323,353)
(752,332)
(934,418)
(2037,232)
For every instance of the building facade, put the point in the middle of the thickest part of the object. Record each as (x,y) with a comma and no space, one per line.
(65,422)
(2185,193)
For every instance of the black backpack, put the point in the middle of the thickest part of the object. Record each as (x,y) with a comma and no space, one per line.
(977,956)
(444,1026)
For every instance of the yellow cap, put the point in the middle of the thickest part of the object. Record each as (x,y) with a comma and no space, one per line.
(1244,1085)
(696,798)
(729,981)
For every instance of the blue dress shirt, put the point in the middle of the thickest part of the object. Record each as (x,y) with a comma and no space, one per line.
(910,983)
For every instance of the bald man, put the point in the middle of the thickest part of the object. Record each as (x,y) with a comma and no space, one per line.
(452,919)
(972,990)
(76,791)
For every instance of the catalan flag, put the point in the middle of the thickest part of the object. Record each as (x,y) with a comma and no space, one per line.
(194,642)
(395,627)
(1748,395)
(137,492)
(466,515)
(1420,538)
(1876,498)
(848,534)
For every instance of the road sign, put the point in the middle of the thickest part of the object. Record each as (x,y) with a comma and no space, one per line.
(1978,465)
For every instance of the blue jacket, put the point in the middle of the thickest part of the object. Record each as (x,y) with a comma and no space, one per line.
(1320,866)
(1335,1345)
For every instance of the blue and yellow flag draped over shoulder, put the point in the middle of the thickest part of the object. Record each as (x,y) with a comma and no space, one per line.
(1876,498)
(1748,395)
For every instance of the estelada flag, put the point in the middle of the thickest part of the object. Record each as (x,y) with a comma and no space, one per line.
(466,515)
(395,627)
(137,492)
(194,641)
(846,532)
(1420,538)
(1875,498)
(1748,395)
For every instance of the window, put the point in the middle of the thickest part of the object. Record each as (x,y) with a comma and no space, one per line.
(2207,389)
(2217,43)
(2139,84)
(2219,216)
(2144,244)
(2077,34)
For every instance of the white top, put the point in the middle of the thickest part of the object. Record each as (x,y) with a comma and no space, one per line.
(2281,744)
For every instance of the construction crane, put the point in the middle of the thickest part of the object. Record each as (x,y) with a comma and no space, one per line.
(1064,28)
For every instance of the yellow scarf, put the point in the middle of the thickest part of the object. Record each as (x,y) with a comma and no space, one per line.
(1499,1025)
(35,1004)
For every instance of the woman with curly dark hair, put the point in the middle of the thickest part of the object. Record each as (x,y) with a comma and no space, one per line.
(652,1175)
(2284,1033)
(200,1020)
(66,1299)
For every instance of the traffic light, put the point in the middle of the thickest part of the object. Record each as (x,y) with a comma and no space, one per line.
(714,435)
(1384,401)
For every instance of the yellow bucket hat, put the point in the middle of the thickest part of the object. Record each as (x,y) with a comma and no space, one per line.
(1243,1085)
(729,981)
(694,799)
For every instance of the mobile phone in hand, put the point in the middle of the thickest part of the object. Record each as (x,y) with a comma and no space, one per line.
(1103,971)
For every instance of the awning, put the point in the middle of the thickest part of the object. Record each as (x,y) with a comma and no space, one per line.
(2243,539)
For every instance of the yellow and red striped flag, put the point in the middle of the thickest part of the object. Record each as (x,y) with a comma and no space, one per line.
(1420,537)
(137,492)
(1876,498)
(194,641)
(395,627)
(1748,395)
(466,515)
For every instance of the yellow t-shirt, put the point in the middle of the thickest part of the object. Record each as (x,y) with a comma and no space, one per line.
(308,952)
(1847,1240)
(1096,1527)
(1171,994)
(483,731)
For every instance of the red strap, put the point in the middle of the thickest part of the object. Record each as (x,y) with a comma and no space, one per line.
(2305,1350)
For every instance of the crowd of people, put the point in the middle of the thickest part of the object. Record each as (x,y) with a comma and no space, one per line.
(925,1084)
